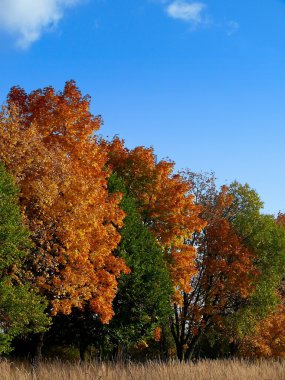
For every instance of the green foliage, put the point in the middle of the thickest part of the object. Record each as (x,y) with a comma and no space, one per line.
(21,312)
(266,239)
(13,237)
(21,309)
(142,302)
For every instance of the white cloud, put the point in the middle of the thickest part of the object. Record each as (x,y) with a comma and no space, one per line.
(232,27)
(186,11)
(196,14)
(29,19)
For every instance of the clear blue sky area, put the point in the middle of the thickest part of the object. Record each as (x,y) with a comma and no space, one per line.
(202,82)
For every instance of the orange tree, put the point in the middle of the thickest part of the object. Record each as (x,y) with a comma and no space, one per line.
(239,267)
(225,270)
(47,142)
(164,201)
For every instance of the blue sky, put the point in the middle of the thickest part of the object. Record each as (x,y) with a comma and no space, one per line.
(203,82)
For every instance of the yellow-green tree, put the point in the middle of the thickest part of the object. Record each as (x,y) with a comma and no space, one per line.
(21,308)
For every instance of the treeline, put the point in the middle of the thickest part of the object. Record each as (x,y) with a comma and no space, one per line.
(106,252)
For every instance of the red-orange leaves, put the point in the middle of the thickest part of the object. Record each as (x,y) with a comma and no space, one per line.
(46,142)
(228,264)
(225,276)
(229,269)
(281,219)
(157,334)
(268,340)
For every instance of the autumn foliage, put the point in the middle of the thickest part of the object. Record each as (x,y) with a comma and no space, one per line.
(165,202)
(47,143)
(225,275)
(205,264)
(268,338)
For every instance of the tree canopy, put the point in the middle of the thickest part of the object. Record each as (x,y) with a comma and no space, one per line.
(124,251)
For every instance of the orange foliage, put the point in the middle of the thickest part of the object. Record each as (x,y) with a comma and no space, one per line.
(229,271)
(46,141)
(281,219)
(165,204)
(229,268)
(225,277)
(226,270)
(157,334)
(268,339)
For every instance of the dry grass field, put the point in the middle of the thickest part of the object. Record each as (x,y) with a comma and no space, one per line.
(204,370)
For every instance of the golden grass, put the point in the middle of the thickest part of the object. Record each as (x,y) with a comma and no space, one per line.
(203,370)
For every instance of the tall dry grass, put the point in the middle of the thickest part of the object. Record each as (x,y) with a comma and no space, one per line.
(203,370)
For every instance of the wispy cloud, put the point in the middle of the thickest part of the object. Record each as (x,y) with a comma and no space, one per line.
(232,27)
(196,14)
(187,11)
(27,20)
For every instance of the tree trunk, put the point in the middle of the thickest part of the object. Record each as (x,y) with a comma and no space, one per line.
(163,345)
(37,351)
(83,343)
(190,350)
(82,351)
(233,347)
(115,351)
(180,352)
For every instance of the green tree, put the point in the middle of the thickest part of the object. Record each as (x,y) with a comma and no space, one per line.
(21,308)
(143,300)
